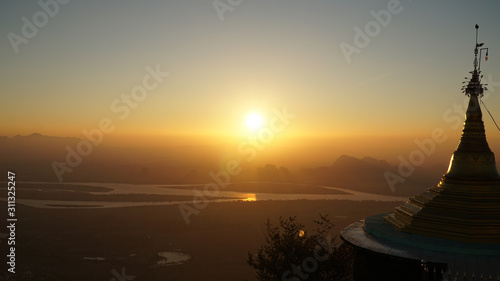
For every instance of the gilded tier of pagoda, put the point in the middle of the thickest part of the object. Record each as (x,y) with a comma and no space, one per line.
(465,205)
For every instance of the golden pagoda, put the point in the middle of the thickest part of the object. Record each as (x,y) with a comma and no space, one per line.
(465,205)
(451,230)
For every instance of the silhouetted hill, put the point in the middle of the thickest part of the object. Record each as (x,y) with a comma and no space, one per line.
(376,162)
(270,173)
(369,175)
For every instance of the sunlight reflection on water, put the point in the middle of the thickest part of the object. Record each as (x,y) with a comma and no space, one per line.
(250,197)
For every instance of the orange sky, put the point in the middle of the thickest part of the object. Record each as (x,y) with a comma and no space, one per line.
(163,70)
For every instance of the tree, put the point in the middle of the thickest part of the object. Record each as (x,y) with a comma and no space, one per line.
(292,254)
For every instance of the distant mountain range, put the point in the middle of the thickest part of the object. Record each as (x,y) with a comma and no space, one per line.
(32,157)
(369,175)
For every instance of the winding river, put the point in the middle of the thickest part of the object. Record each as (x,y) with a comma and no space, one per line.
(155,189)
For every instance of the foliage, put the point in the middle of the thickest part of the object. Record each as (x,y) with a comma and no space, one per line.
(292,253)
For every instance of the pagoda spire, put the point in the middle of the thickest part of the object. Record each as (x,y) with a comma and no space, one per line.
(473,157)
(465,204)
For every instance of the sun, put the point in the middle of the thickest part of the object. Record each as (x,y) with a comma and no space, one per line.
(254,121)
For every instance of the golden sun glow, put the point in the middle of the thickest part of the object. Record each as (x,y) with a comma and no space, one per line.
(254,121)
(250,197)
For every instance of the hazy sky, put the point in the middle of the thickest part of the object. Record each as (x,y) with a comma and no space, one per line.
(250,56)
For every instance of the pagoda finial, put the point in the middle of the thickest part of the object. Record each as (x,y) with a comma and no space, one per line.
(474,87)
(475,49)
(478,45)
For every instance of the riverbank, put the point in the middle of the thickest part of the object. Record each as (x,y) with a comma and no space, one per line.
(54,243)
